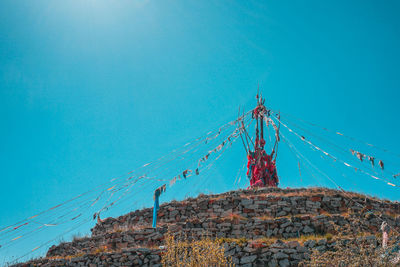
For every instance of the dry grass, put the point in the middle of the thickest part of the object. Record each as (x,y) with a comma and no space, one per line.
(317,191)
(101,249)
(355,253)
(392,214)
(289,216)
(267,241)
(77,237)
(196,253)
(239,241)
(234,217)
(68,257)
(301,239)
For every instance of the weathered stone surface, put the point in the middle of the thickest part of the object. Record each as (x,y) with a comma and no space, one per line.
(280,255)
(284,263)
(248,259)
(253,214)
(308,230)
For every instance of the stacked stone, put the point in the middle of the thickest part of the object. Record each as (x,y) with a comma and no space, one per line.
(126,257)
(248,254)
(250,214)
(251,204)
(251,229)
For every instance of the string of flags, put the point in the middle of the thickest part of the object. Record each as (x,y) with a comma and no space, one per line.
(108,192)
(335,158)
(362,156)
(161,189)
(268,119)
(113,188)
(300,155)
(116,185)
(296,154)
(188,172)
(52,224)
(359,155)
(344,135)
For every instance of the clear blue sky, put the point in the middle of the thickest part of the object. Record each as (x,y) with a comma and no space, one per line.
(92,89)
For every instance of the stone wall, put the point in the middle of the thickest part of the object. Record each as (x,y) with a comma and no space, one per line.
(248,254)
(279,253)
(271,202)
(251,229)
(257,217)
(125,257)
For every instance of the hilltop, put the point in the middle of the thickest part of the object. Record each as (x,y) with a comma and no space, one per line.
(256,227)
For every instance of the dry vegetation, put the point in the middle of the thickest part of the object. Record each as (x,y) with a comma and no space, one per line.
(356,253)
(349,256)
(196,253)
(233,217)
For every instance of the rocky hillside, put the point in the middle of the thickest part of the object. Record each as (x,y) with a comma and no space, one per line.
(263,227)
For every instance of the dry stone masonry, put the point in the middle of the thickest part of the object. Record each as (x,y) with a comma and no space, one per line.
(267,220)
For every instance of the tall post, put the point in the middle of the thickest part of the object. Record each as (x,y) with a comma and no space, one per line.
(157,194)
(261,168)
(261,127)
(156,207)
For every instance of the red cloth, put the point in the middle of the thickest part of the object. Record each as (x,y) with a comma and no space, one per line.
(262,172)
(250,162)
(255,112)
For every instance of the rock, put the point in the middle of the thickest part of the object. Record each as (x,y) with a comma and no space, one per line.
(278,244)
(301,249)
(269,233)
(246,214)
(273,263)
(308,230)
(281,213)
(284,263)
(326,199)
(246,202)
(235,260)
(144,250)
(293,244)
(229,253)
(280,255)
(248,259)
(295,256)
(289,250)
(310,243)
(335,204)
